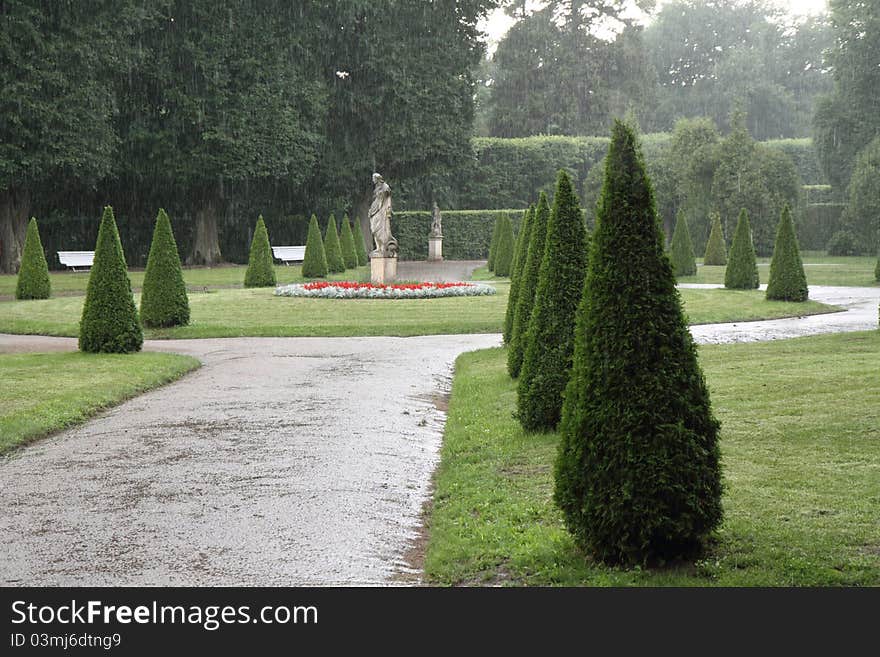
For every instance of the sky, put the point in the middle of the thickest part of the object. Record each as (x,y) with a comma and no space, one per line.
(497,23)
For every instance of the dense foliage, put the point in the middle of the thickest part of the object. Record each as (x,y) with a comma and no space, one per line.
(493,245)
(315,260)
(332,248)
(504,250)
(360,247)
(742,265)
(638,473)
(33,277)
(109,321)
(684,263)
(862,213)
(842,243)
(523,238)
(550,333)
(716,250)
(261,265)
(787,279)
(346,239)
(164,301)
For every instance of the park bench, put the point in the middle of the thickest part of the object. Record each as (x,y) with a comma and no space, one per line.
(74,259)
(288,254)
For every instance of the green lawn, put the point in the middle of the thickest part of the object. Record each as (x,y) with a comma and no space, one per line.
(820,270)
(801,456)
(43,393)
(197,278)
(257,312)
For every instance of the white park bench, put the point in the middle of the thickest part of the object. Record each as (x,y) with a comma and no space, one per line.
(74,259)
(288,254)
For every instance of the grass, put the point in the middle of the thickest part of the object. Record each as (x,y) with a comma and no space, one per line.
(43,393)
(801,455)
(258,313)
(196,278)
(851,271)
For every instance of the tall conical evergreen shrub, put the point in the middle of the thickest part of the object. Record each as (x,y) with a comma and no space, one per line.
(522,315)
(360,247)
(349,254)
(716,250)
(315,260)
(493,245)
(109,321)
(505,247)
(519,261)
(682,250)
(33,275)
(164,301)
(333,249)
(742,266)
(637,474)
(877,270)
(550,336)
(261,266)
(787,279)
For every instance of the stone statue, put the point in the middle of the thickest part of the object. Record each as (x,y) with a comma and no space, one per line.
(380,220)
(436,228)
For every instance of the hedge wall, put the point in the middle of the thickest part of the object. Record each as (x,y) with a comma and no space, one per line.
(803,155)
(817,224)
(466,233)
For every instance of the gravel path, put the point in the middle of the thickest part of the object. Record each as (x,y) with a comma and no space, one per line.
(282,461)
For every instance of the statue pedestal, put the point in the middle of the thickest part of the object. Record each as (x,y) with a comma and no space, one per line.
(435,249)
(383,270)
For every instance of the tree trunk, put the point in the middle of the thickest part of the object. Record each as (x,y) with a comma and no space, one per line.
(206,245)
(15,206)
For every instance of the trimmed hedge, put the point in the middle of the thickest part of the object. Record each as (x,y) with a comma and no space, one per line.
(519,261)
(550,335)
(333,249)
(528,287)
(818,224)
(684,262)
(467,234)
(261,266)
(360,247)
(33,276)
(716,250)
(109,321)
(787,279)
(742,265)
(505,248)
(164,301)
(349,253)
(315,260)
(638,474)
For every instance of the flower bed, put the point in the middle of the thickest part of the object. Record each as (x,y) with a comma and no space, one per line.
(353,290)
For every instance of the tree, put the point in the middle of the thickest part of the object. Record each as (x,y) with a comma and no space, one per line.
(261,266)
(862,213)
(56,106)
(787,279)
(716,250)
(528,287)
(335,261)
(519,261)
(164,301)
(550,336)
(315,259)
(493,245)
(742,266)
(360,246)
(637,475)
(33,276)
(505,247)
(684,262)
(109,321)
(349,254)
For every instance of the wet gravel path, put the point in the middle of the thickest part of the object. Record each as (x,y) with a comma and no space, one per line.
(282,461)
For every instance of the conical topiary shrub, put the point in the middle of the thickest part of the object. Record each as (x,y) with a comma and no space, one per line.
(163,298)
(522,315)
(493,245)
(787,279)
(349,254)
(550,336)
(315,260)
(519,260)
(332,248)
(33,275)
(716,250)
(505,247)
(742,266)
(682,250)
(877,270)
(360,247)
(637,473)
(261,266)
(109,319)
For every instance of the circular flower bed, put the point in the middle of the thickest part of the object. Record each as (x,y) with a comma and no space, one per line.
(352,290)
